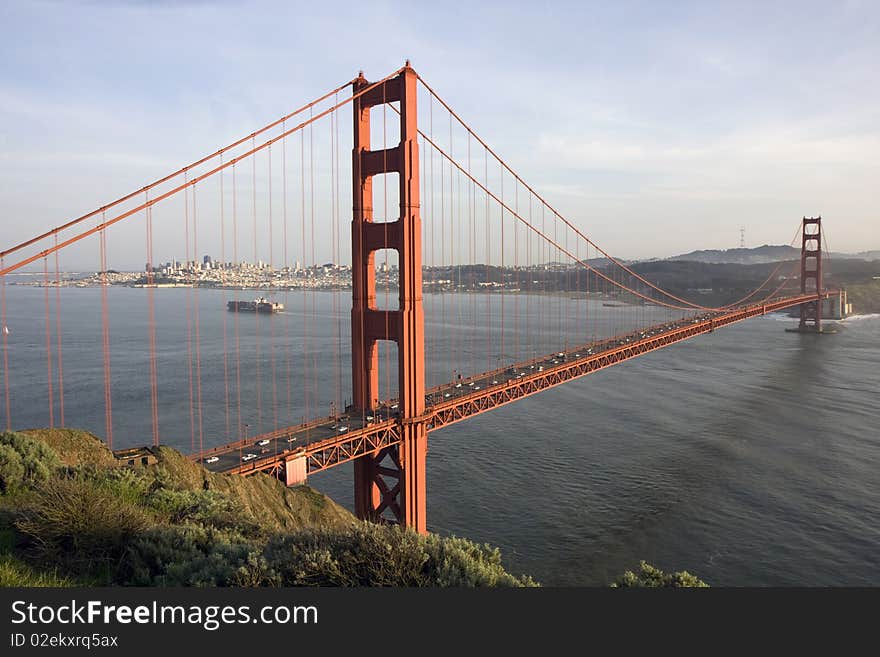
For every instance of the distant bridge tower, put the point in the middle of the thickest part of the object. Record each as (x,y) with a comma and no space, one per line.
(811,274)
(389,485)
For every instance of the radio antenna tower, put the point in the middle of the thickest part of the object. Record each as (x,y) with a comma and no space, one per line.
(742,237)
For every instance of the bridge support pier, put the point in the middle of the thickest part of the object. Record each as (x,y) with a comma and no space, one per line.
(295,471)
(389,485)
(811,275)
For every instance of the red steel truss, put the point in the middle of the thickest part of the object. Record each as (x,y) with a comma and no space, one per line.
(379,440)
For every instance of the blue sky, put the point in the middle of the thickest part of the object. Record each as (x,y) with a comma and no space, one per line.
(657,128)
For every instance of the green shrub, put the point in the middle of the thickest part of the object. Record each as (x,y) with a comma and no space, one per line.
(460,562)
(209,508)
(24,462)
(373,555)
(76,521)
(125,484)
(652,577)
(15,572)
(186,556)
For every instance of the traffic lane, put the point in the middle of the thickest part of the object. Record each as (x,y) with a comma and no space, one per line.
(470,385)
(461,388)
(272,447)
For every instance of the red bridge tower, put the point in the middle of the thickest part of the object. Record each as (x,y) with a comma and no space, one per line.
(811,274)
(389,485)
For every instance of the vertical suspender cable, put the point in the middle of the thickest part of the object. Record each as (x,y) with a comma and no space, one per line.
(237,264)
(516,318)
(272,314)
(530,272)
(305,314)
(502,272)
(223,287)
(439,290)
(198,332)
(189,354)
(339,255)
(5,331)
(472,248)
(105,335)
(488,316)
(58,337)
(257,379)
(48,345)
(151,323)
(286,265)
(334,258)
(314,363)
(431,336)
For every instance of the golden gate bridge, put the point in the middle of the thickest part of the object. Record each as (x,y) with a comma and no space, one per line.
(428,194)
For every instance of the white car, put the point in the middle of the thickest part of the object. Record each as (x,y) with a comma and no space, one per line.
(343,429)
(212,459)
(292,439)
(263,442)
(248,457)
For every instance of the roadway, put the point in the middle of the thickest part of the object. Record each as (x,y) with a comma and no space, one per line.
(332,440)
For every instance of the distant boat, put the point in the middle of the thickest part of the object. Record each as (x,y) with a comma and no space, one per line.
(260,305)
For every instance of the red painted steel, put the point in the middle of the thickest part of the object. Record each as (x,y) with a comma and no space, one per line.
(391,479)
(381,437)
(389,447)
(811,274)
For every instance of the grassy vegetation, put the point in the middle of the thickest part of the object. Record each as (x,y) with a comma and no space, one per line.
(69,515)
(15,572)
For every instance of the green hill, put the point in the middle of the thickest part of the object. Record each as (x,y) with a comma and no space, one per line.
(71,513)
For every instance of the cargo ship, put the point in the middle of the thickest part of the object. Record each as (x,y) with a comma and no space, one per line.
(260,305)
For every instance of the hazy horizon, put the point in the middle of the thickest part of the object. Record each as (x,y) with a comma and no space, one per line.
(657,130)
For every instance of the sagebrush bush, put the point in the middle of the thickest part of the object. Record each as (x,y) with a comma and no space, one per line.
(652,577)
(374,555)
(80,523)
(209,508)
(24,462)
(187,555)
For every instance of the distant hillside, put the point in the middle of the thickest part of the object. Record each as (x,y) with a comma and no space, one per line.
(863,255)
(756,256)
(762,255)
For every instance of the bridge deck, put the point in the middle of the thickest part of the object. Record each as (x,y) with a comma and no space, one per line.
(328,442)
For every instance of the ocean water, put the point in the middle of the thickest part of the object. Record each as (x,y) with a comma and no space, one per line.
(749,456)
